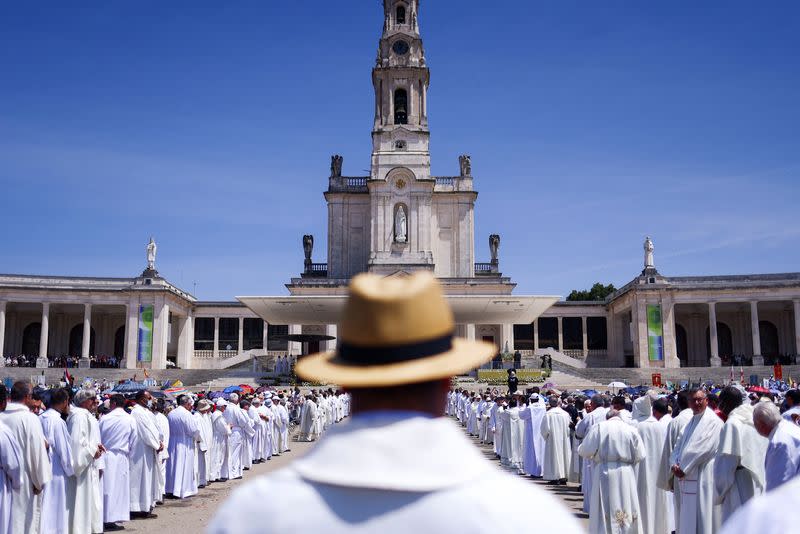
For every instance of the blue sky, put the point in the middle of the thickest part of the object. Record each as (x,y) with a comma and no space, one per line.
(210,126)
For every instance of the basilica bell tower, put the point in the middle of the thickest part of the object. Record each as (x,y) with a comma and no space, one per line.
(400,136)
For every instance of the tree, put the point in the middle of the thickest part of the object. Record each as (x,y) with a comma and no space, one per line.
(597,292)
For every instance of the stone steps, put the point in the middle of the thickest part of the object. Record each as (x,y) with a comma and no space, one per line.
(637,376)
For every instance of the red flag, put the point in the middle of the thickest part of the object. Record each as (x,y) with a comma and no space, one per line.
(741,375)
(67,376)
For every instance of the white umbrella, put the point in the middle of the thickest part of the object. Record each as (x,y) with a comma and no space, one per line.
(617,385)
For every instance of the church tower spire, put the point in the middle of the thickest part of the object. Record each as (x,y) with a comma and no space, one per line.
(400,78)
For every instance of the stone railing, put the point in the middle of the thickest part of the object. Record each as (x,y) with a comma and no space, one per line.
(207,354)
(224,354)
(446,180)
(316,270)
(483,268)
(356,182)
(204,354)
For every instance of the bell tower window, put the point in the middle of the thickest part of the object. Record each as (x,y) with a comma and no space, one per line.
(400,106)
(400,15)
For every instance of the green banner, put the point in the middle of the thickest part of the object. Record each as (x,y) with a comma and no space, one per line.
(655,333)
(145,353)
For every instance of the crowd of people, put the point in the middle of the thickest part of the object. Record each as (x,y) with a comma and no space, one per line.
(660,462)
(74,460)
(100,361)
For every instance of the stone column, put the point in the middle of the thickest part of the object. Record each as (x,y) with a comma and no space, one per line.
(507,337)
(240,346)
(185,342)
(331,330)
(216,339)
(560,335)
(758,359)
(470,331)
(3,332)
(796,327)
(536,335)
(160,334)
(714,360)
(87,331)
(131,334)
(294,347)
(671,359)
(43,338)
(265,337)
(585,338)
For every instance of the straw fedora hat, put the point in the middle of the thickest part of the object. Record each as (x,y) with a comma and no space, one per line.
(395,331)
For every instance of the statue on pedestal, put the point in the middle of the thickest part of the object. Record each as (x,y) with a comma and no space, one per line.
(494,246)
(400,225)
(151,254)
(336,165)
(648,253)
(465,164)
(308,248)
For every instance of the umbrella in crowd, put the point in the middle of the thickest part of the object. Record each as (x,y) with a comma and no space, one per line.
(617,385)
(232,389)
(247,390)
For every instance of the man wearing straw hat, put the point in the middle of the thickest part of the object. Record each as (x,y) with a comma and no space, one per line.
(397,465)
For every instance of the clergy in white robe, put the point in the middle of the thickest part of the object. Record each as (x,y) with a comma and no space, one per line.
(774,512)
(220,453)
(163,435)
(240,430)
(144,466)
(26,501)
(308,416)
(118,434)
(276,424)
(11,465)
(265,414)
(184,433)
(258,437)
(55,506)
(283,434)
(247,440)
(485,416)
(533,443)
(205,446)
(739,466)
(615,448)
(783,451)
(692,462)
(596,414)
(84,489)
(666,478)
(655,504)
(513,429)
(557,448)
(472,417)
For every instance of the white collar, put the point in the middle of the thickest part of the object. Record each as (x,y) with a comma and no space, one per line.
(396,452)
(17,407)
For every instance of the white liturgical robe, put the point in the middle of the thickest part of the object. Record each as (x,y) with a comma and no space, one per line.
(655,504)
(308,416)
(144,460)
(240,430)
(163,436)
(739,466)
(694,453)
(220,454)
(783,454)
(533,442)
(26,508)
(118,434)
(391,474)
(774,512)
(512,439)
(666,480)
(85,489)
(615,448)
(55,506)
(594,417)
(184,432)
(204,447)
(557,448)
(11,465)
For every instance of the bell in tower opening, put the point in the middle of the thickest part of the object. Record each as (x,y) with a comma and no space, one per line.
(400,106)
(401,15)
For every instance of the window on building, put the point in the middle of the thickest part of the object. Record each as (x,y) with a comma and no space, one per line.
(400,106)
(523,337)
(573,333)
(204,333)
(401,15)
(253,334)
(228,333)
(597,333)
(548,332)
(277,344)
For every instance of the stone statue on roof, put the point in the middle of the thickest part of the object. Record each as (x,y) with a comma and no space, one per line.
(648,253)
(151,254)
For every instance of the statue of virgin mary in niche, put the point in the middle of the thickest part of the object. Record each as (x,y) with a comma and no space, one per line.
(400,225)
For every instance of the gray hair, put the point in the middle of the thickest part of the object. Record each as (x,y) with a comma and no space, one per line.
(83,395)
(234,397)
(612,413)
(767,413)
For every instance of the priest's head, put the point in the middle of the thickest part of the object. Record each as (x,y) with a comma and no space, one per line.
(86,399)
(660,408)
(730,398)
(59,401)
(697,401)
(766,417)
(397,349)
(116,401)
